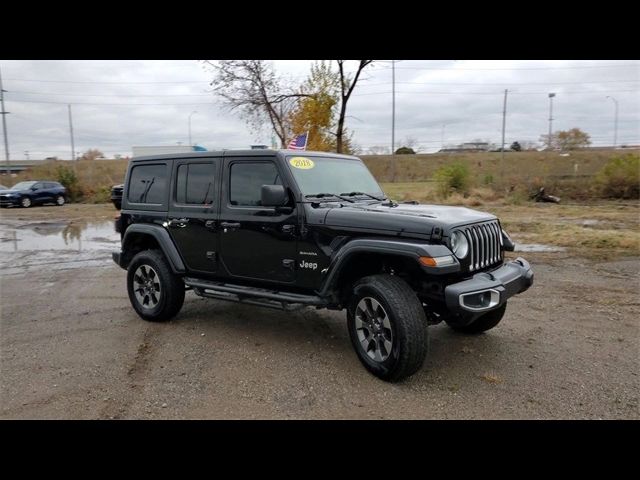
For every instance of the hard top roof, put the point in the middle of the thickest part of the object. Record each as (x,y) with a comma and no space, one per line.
(241,153)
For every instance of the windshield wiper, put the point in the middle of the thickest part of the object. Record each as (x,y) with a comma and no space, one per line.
(353,194)
(323,195)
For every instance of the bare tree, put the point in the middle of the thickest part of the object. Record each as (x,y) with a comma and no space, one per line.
(347,84)
(410,142)
(379,150)
(92,154)
(253,88)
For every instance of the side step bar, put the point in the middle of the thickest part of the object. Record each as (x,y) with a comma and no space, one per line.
(253,296)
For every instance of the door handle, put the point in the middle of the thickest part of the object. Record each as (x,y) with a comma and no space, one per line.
(230,224)
(210,224)
(178,222)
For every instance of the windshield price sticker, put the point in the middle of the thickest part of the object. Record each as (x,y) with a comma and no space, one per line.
(302,163)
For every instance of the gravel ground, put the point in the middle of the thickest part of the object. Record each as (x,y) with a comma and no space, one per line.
(71,347)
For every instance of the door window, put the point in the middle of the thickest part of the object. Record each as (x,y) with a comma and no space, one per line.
(247,180)
(195,184)
(147,184)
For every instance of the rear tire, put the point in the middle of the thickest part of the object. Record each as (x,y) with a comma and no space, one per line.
(483,323)
(155,292)
(60,200)
(388,327)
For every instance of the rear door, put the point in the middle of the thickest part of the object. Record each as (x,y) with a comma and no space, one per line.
(193,212)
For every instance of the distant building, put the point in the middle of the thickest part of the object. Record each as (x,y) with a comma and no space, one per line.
(160,149)
(469,147)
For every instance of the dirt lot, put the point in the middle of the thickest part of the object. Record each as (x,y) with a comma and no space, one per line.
(72,347)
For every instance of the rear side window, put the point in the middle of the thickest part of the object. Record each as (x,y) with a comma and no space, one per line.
(247,180)
(195,184)
(148,184)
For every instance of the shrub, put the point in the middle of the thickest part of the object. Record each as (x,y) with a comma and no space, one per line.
(453,178)
(620,177)
(68,178)
(405,151)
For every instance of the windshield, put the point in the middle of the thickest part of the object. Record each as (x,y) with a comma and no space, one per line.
(23,185)
(316,175)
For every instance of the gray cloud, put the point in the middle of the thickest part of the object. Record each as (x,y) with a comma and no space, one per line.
(465,96)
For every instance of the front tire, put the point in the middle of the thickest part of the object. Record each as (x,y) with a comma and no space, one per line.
(483,323)
(387,327)
(155,292)
(26,202)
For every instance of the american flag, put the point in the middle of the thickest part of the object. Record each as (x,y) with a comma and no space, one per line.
(299,142)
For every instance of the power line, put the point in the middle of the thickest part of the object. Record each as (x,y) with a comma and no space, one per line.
(503,84)
(520,68)
(92,82)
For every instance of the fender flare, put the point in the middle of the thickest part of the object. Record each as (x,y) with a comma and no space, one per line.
(164,240)
(413,250)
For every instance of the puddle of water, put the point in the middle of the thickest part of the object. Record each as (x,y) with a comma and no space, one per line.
(56,245)
(537,247)
(46,236)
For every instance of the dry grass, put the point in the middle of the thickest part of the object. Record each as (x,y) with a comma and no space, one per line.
(95,177)
(602,230)
(518,165)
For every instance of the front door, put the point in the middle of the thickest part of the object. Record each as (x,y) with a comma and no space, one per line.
(256,242)
(193,212)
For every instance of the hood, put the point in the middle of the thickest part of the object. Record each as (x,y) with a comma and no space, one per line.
(5,192)
(403,217)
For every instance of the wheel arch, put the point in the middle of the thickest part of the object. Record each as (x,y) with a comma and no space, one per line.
(144,237)
(362,257)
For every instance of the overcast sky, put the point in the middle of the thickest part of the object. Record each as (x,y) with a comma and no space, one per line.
(118,104)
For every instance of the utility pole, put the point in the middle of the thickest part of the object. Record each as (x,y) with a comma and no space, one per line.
(615,122)
(551,95)
(504,123)
(73,147)
(4,125)
(442,137)
(393,120)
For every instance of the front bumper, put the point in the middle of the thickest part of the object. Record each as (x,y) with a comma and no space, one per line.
(489,290)
(4,201)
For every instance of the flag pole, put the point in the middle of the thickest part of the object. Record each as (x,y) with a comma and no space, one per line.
(306,141)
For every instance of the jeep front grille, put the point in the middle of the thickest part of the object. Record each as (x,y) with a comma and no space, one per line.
(485,244)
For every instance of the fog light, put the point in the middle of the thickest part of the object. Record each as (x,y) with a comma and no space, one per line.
(477,301)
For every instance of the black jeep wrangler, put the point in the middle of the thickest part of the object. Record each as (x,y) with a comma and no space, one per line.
(289,230)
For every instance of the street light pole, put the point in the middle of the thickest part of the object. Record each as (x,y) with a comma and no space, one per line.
(4,125)
(190,142)
(504,123)
(615,124)
(73,148)
(551,95)
(393,120)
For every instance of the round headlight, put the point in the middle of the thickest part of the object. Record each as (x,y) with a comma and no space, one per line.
(459,244)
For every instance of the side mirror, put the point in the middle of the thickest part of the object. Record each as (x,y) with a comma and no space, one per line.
(273,196)
(33,189)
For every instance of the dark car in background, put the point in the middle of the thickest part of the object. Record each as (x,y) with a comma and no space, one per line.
(34,192)
(116,195)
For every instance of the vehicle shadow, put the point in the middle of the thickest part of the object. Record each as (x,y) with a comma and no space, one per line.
(325,332)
